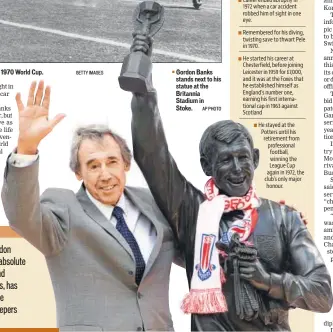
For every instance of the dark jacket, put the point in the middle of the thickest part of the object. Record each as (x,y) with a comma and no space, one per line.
(285,247)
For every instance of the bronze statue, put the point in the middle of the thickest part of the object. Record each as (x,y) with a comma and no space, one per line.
(255,259)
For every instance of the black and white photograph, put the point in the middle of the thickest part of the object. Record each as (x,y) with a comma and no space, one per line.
(77,31)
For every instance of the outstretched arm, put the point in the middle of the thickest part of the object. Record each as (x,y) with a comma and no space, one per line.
(178,199)
(167,184)
(41,223)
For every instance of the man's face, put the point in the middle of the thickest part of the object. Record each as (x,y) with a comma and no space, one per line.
(233,166)
(102,169)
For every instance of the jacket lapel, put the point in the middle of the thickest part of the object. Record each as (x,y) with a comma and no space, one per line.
(146,208)
(95,214)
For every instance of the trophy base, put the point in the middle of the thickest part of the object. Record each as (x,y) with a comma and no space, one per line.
(135,75)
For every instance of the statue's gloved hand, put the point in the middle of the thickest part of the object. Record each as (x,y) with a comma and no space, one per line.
(142,43)
(255,273)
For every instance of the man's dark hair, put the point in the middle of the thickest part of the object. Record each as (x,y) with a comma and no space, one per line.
(222,131)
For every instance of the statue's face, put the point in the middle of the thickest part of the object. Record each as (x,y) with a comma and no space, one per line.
(233,165)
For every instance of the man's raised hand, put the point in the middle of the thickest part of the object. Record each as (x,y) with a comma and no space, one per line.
(34,122)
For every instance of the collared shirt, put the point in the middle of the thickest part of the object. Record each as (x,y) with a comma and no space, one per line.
(142,228)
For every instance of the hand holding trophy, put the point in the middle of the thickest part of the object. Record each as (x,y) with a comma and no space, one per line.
(135,75)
